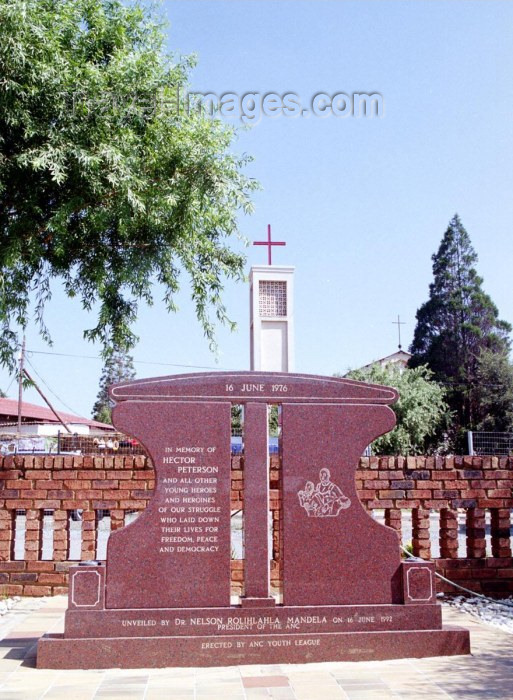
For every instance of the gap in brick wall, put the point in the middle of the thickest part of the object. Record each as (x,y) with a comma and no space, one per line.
(274,544)
(75,535)
(237,534)
(20,522)
(462,533)
(434,532)
(488,532)
(237,516)
(47,530)
(237,434)
(379,515)
(271,523)
(131,516)
(406,527)
(103,527)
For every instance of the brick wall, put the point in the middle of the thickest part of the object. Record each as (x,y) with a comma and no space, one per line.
(474,486)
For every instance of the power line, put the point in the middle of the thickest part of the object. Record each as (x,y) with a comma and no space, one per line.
(139,362)
(50,389)
(10,384)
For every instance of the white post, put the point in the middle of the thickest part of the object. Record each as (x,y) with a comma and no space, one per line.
(271,318)
(470,438)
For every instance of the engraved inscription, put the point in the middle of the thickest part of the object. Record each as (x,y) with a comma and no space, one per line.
(189,510)
(325,500)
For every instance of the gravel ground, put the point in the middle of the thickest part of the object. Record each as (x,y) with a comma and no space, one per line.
(495,613)
(7,604)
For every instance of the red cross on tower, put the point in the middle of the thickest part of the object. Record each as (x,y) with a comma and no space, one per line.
(269,243)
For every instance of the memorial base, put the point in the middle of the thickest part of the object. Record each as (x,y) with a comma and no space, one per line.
(54,651)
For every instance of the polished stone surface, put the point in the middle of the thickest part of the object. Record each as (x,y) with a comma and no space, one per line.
(333,551)
(177,553)
(486,675)
(163,596)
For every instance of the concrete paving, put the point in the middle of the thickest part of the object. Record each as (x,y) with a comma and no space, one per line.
(486,674)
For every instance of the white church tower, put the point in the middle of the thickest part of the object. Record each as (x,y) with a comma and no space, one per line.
(271,314)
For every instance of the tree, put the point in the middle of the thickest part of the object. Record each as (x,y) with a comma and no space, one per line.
(109,183)
(494,392)
(119,367)
(456,325)
(421,410)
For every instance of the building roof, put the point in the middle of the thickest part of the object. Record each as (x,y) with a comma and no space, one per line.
(40,414)
(399,357)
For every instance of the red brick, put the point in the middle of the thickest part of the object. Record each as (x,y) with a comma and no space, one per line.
(17,503)
(59,493)
(59,590)
(135,505)
(77,484)
(52,578)
(89,494)
(118,474)
(12,566)
(11,474)
(50,504)
(42,493)
(49,484)
(9,493)
(40,566)
(37,590)
(18,484)
(75,504)
(105,483)
(392,493)
(11,589)
(91,474)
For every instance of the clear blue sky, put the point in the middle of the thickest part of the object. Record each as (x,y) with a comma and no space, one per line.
(362,203)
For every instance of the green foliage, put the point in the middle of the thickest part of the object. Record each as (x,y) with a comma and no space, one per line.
(107,183)
(407,550)
(456,325)
(273,422)
(421,410)
(236,416)
(118,367)
(494,392)
(236,420)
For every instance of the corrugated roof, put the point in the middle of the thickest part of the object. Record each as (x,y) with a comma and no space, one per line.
(34,413)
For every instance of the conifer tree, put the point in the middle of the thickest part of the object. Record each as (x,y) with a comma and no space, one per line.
(457,325)
(118,367)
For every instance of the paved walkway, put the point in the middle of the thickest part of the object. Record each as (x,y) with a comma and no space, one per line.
(487,673)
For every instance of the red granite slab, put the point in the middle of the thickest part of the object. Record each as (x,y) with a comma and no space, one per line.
(161,652)
(177,553)
(334,552)
(163,597)
(269,387)
(273,620)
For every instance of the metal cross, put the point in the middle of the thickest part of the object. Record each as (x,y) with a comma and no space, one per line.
(269,243)
(399,323)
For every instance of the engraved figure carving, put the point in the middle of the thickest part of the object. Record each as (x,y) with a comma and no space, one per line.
(325,500)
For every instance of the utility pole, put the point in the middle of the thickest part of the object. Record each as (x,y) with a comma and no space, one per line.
(52,409)
(20,384)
